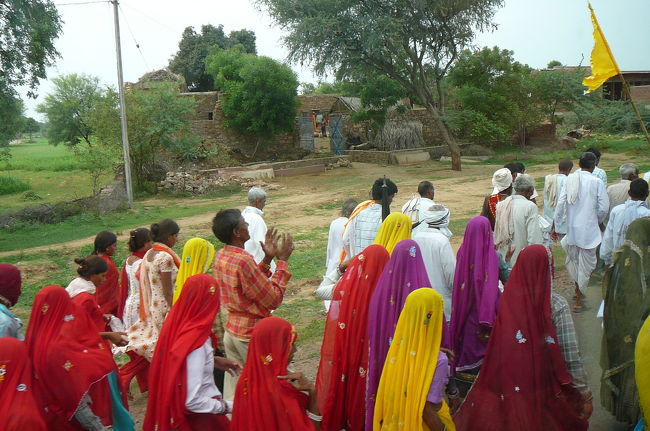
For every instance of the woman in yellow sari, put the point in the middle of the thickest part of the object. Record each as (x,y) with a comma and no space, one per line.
(409,397)
(642,360)
(395,228)
(197,258)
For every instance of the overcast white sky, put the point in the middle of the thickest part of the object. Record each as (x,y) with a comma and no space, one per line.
(536,30)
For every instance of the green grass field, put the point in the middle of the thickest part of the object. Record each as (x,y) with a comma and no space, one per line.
(52,171)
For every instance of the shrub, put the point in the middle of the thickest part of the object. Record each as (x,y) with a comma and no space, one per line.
(10,185)
(610,116)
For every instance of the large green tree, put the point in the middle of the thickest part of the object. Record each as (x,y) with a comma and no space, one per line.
(29,28)
(158,124)
(496,95)
(30,126)
(68,106)
(260,99)
(412,42)
(195,46)
(558,90)
(11,120)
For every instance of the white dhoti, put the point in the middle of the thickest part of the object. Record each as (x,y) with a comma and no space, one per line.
(580,263)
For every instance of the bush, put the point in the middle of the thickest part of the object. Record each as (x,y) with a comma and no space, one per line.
(9,185)
(610,116)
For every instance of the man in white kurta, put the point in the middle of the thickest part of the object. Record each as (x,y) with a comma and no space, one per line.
(335,238)
(253,215)
(364,225)
(618,193)
(621,217)
(583,205)
(517,220)
(438,256)
(553,184)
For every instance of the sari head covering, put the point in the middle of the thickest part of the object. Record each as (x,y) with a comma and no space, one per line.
(395,228)
(197,258)
(341,379)
(524,383)
(642,356)
(187,327)
(262,401)
(627,304)
(475,295)
(410,366)
(502,179)
(404,273)
(18,409)
(67,353)
(108,293)
(10,283)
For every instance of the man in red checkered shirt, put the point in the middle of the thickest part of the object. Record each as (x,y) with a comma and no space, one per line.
(249,292)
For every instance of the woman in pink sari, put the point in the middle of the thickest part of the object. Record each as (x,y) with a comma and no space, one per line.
(475,299)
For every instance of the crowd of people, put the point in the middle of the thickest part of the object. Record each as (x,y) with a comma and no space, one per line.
(416,336)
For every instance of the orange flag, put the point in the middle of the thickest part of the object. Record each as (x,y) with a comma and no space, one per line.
(603,63)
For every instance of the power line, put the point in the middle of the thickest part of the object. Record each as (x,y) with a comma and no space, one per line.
(137,45)
(80,3)
(150,18)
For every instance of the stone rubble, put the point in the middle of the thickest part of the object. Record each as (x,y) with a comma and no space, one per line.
(201,183)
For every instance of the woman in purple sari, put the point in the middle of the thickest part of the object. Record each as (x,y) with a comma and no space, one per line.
(475,300)
(404,273)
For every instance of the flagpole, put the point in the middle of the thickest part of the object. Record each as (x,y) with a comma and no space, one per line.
(644,129)
(618,70)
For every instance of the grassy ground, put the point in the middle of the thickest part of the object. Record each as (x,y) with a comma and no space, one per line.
(53,173)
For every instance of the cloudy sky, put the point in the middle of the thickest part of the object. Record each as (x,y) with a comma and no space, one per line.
(536,30)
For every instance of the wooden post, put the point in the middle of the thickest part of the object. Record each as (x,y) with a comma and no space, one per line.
(644,129)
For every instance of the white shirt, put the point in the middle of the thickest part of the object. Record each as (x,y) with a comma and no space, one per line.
(526,226)
(335,244)
(549,211)
(615,231)
(257,231)
(362,230)
(598,173)
(202,394)
(132,305)
(583,216)
(440,261)
(617,194)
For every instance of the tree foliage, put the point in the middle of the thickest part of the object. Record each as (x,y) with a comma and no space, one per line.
(557,90)
(412,42)
(30,126)
(158,125)
(194,47)
(496,95)
(11,120)
(260,93)
(29,28)
(68,107)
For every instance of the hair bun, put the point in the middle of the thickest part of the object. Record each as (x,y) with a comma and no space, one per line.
(80,261)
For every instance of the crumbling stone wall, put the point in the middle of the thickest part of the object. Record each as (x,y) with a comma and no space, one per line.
(208,123)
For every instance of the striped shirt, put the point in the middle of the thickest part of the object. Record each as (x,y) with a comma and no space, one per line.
(566,337)
(247,292)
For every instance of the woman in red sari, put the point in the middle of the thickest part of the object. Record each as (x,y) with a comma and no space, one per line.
(18,409)
(341,379)
(69,360)
(108,292)
(182,394)
(524,383)
(268,398)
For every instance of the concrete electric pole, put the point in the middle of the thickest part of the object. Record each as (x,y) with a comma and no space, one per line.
(120,83)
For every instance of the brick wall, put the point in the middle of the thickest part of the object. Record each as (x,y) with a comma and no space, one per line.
(321,102)
(214,132)
(640,93)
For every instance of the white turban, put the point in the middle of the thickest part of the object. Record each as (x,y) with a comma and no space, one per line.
(502,179)
(436,216)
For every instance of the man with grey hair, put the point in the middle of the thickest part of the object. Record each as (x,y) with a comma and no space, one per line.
(618,193)
(256,226)
(583,204)
(517,220)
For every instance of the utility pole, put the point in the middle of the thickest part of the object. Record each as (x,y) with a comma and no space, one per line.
(120,83)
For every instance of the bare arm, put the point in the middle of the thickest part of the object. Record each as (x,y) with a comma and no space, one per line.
(430,416)
(168,286)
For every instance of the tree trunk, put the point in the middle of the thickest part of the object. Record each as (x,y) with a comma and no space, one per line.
(454,149)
